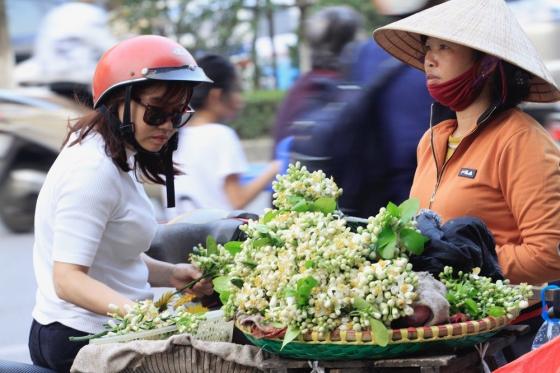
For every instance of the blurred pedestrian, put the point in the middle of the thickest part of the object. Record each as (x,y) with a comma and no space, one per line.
(93,220)
(482,156)
(397,112)
(210,153)
(328,32)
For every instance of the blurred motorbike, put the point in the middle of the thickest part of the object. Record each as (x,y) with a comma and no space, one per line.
(32,127)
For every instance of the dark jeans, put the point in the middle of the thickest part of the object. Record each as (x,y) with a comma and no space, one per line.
(49,346)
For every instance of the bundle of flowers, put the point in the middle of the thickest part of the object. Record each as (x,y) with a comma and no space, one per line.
(472,296)
(303,269)
(169,310)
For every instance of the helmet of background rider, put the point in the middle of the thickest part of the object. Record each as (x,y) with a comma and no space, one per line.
(328,31)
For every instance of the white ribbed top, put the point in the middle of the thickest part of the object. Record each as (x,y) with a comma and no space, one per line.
(90,213)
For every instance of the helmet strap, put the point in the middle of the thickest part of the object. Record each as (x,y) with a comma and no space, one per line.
(169,176)
(126,130)
(126,126)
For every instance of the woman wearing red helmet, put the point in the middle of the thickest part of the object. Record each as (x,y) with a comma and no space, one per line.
(93,220)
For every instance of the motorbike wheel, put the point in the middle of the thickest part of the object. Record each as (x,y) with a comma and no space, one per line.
(18,197)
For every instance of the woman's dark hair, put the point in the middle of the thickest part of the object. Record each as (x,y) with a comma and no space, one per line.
(221,71)
(517,84)
(151,165)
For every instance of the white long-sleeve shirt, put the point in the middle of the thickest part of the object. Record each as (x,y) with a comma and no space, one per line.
(90,213)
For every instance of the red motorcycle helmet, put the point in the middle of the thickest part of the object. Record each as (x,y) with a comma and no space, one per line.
(141,58)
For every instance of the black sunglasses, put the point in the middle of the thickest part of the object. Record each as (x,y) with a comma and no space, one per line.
(156,116)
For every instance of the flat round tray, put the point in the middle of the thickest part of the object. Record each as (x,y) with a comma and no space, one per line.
(361,345)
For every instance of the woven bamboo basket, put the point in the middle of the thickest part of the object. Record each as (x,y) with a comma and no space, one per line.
(348,345)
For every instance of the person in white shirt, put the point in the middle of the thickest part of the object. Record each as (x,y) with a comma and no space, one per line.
(210,153)
(93,220)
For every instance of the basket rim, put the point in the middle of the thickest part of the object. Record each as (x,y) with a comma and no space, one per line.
(402,335)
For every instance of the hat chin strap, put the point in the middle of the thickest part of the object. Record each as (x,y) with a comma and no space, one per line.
(126,131)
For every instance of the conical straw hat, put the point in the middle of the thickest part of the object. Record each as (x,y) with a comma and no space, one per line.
(486,25)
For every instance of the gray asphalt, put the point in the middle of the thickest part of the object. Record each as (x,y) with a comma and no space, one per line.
(17,282)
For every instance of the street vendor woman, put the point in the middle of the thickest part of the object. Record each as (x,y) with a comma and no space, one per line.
(483,156)
(94,220)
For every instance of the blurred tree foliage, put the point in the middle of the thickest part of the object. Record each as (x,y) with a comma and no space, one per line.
(184,20)
(257,117)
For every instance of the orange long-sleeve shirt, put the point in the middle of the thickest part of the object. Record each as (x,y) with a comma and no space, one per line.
(507,172)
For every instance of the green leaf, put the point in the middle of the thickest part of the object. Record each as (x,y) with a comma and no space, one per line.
(260,242)
(249,264)
(302,206)
(309,264)
(451,298)
(325,205)
(393,210)
(413,241)
(386,236)
(303,290)
(211,246)
(289,292)
(496,311)
(295,199)
(221,284)
(270,215)
(291,334)
(408,209)
(472,307)
(233,247)
(237,282)
(224,297)
(379,331)
(360,304)
(388,251)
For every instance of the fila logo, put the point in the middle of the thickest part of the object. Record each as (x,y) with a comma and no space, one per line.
(467,172)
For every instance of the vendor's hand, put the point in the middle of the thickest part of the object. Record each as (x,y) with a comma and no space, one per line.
(183,273)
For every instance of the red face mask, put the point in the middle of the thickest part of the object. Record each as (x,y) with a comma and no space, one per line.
(458,93)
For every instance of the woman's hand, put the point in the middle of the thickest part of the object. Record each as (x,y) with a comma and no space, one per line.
(183,273)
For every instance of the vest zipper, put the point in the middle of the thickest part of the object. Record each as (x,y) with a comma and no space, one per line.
(439,174)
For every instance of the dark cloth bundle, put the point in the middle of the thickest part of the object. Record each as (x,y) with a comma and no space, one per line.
(462,243)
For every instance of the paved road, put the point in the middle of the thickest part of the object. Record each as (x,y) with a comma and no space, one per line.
(18,289)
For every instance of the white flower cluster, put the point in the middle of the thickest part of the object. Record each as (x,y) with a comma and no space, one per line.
(479,296)
(370,234)
(211,262)
(144,315)
(306,270)
(299,182)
